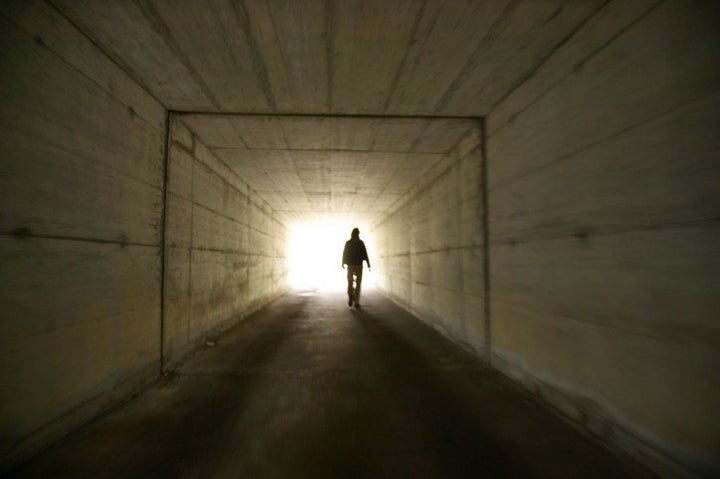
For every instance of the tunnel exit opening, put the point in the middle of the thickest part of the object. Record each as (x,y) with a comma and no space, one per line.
(315,255)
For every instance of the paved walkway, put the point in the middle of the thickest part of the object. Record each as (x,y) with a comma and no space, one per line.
(311,388)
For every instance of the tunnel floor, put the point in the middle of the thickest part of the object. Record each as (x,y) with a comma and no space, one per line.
(311,388)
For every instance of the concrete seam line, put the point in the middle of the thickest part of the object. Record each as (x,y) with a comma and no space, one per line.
(158,25)
(125,69)
(542,61)
(587,58)
(332,150)
(163,239)
(486,237)
(329,30)
(603,230)
(323,115)
(25,233)
(426,180)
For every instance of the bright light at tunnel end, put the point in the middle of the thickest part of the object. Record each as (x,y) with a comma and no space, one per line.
(315,255)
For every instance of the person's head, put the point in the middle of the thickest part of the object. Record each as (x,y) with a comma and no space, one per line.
(355,233)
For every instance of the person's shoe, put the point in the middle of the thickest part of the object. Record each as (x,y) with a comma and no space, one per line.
(350,302)
(357,305)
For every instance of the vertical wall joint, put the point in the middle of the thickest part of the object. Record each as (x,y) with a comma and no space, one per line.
(486,239)
(163,258)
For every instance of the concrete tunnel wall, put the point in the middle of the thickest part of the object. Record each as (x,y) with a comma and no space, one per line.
(602,177)
(81,196)
(224,247)
(81,255)
(431,246)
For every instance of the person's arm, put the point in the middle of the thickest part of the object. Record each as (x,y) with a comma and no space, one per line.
(367,258)
(344,258)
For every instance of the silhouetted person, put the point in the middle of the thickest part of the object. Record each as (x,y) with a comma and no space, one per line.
(353,256)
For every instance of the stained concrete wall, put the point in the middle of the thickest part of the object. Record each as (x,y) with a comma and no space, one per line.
(225,247)
(603,221)
(81,178)
(430,246)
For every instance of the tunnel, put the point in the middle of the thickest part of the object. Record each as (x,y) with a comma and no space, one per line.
(536,181)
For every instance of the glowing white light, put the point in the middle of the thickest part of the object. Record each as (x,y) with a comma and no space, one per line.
(315,255)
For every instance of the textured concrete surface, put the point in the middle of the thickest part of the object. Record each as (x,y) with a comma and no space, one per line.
(311,166)
(225,247)
(313,56)
(81,174)
(307,166)
(603,223)
(431,246)
(311,388)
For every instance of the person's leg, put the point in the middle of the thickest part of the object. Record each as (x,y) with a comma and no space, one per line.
(350,291)
(358,282)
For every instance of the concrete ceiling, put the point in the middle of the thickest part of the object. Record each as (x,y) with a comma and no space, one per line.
(310,166)
(378,57)
(414,58)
